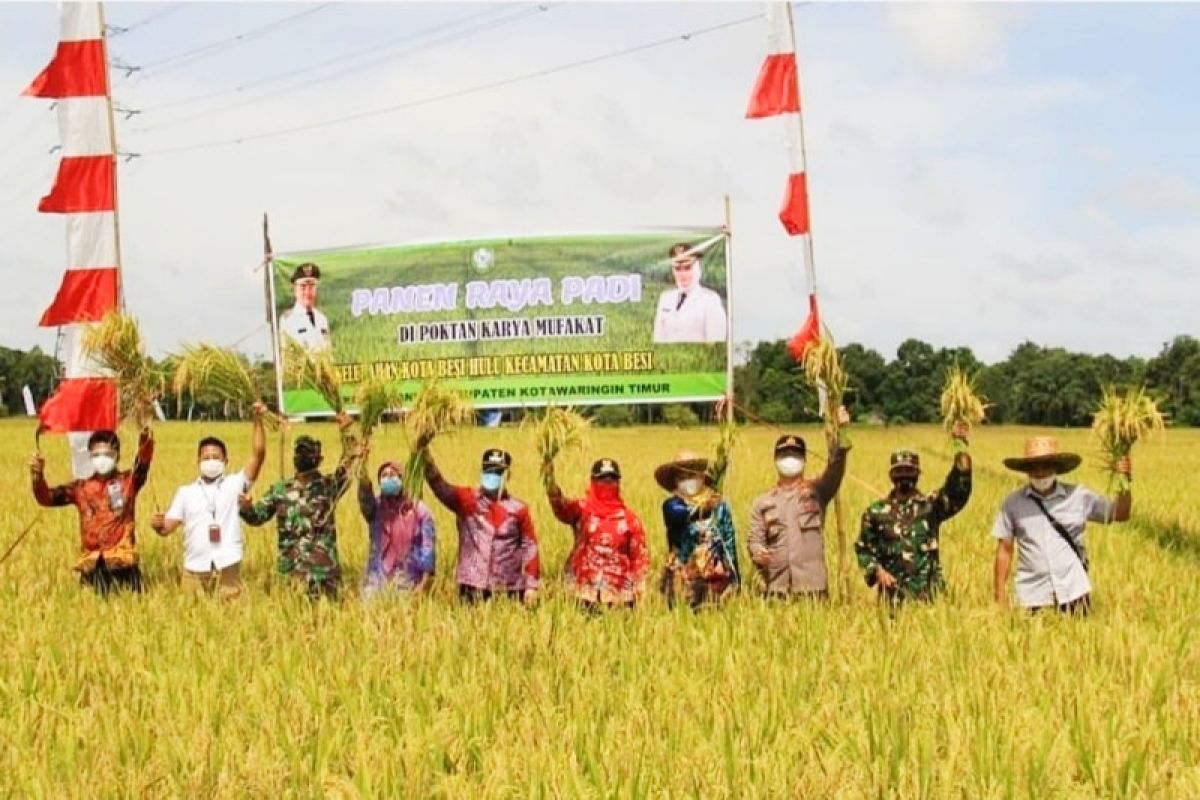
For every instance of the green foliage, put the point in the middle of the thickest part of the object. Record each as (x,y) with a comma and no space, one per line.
(613,416)
(34,369)
(1034,385)
(680,416)
(1174,374)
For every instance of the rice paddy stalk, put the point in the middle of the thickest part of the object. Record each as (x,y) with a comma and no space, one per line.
(219,373)
(314,370)
(374,398)
(726,438)
(555,430)
(960,402)
(823,369)
(434,411)
(1120,421)
(116,345)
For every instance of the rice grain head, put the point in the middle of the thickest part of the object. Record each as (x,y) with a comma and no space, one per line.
(1119,422)
(116,345)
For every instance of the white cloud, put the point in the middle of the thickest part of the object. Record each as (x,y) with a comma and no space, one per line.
(954,37)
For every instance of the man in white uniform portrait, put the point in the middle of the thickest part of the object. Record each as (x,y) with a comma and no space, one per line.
(689,312)
(303,323)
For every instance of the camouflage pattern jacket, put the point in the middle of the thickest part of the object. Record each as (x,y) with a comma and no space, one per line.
(901,535)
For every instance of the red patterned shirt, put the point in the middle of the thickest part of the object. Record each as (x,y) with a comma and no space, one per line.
(609,561)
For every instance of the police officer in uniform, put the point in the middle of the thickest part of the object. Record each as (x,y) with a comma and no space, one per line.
(303,323)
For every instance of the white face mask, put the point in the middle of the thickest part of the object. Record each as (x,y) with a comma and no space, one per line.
(789,466)
(212,468)
(1043,484)
(689,486)
(103,464)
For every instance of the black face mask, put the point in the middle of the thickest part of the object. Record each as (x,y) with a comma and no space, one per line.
(306,462)
(905,485)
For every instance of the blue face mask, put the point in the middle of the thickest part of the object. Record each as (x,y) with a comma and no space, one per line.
(390,487)
(491,481)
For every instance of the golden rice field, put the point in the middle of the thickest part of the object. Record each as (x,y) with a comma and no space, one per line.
(163,696)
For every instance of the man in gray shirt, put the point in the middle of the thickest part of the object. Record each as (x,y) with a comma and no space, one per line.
(786,543)
(1047,520)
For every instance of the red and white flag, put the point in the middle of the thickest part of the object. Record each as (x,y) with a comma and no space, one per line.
(777,94)
(85,192)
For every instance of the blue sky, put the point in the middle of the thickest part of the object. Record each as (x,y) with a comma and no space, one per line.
(980,174)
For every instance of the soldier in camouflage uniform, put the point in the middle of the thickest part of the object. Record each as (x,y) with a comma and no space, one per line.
(304,509)
(898,546)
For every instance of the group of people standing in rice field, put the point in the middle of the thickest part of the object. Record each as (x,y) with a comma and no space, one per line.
(898,548)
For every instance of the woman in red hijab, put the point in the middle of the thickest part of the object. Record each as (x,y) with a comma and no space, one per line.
(402,534)
(609,562)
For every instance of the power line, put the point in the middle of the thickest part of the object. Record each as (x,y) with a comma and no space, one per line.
(684,37)
(203,51)
(121,30)
(357,53)
(452,37)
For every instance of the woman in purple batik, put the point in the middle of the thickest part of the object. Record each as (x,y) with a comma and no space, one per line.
(402,535)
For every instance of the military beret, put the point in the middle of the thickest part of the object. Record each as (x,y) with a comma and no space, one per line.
(790,443)
(905,459)
(606,468)
(497,460)
(306,270)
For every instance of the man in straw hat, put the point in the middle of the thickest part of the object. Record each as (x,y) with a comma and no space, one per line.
(786,542)
(1047,520)
(702,564)
(898,544)
(497,544)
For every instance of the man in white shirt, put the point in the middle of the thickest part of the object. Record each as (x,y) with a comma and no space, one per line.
(303,323)
(1047,520)
(689,312)
(207,509)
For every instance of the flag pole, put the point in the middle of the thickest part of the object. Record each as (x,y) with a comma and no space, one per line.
(268,268)
(112,140)
(830,413)
(729,340)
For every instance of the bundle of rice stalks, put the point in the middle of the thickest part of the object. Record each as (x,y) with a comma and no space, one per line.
(375,397)
(116,345)
(1119,423)
(435,410)
(556,430)
(726,438)
(823,369)
(211,372)
(960,401)
(316,371)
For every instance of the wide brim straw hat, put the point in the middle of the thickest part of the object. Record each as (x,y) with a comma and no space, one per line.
(668,474)
(1043,451)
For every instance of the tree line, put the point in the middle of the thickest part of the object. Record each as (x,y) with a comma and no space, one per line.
(1034,385)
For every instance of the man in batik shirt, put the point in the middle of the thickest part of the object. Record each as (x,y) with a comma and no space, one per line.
(898,548)
(304,508)
(497,545)
(106,500)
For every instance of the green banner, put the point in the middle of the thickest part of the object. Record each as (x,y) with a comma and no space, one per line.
(563,320)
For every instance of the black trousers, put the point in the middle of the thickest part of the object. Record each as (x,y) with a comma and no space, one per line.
(1079,607)
(106,580)
(471,595)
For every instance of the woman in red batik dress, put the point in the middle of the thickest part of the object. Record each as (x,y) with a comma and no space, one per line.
(609,561)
